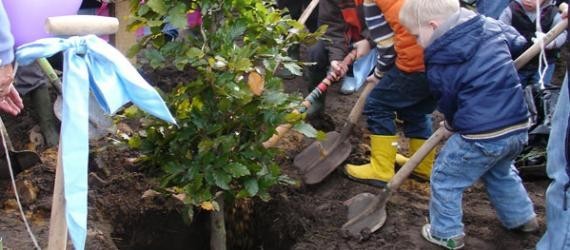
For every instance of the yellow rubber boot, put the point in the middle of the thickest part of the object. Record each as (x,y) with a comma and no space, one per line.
(401,160)
(423,171)
(381,167)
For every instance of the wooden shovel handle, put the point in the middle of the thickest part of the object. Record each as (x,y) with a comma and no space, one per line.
(305,15)
(415,160)
(359,105)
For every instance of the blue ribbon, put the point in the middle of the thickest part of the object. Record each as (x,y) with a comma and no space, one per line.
(90,64)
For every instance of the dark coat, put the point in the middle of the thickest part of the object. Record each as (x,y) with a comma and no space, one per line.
(345,21)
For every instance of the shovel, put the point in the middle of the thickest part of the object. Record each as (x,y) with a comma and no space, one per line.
(321,89)
(21,160)
(367,212)
(321,158)
(100,124)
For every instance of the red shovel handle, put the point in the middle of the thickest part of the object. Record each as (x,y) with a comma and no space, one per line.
(327,82)
(316,93)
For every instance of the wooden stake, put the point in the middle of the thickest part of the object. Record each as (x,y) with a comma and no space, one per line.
(57,224)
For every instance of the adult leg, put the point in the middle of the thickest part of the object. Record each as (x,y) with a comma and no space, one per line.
(31,79)
(315,74)
(557,235)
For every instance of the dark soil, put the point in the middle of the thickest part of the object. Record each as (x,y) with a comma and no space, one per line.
(298,217)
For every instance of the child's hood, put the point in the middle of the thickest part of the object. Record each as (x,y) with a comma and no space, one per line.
(459,37)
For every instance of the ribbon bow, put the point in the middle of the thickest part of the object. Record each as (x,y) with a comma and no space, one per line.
(90,64)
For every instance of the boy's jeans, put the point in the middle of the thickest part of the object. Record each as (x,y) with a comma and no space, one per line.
(460,164)
(557,234)
(492,8)
(405,95)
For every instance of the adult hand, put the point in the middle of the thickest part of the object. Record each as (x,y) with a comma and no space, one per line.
(338,70)
(11,102)
(6,78)
(362,48)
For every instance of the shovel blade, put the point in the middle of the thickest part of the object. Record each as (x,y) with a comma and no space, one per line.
(21,160)
(26,158)
(328,164)
(321,158)
(366,214)
(316,152)
(100,124)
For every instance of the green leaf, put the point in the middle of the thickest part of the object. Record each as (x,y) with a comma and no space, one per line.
(205,145)
(283,179)
(274,97)
(265,197)
(195,53)
(222,180)
(172,168)
(321,136)
(237,170)
(293,117)
(177,16)
(134,50)
(237,30)
(131,111)
(155,58)
(143,9)
(251,186)
(228,142)
(293,68)
(241,64)
(135,142)
(157,6)
(306,129)
(197,103)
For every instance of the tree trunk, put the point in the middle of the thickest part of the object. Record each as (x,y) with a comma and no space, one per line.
(218,227)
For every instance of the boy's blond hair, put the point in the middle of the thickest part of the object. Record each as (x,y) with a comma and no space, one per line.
(419,12)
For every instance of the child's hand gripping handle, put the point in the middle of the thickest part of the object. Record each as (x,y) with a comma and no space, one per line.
(309,100)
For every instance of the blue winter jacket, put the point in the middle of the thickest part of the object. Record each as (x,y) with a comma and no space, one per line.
(471,73)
